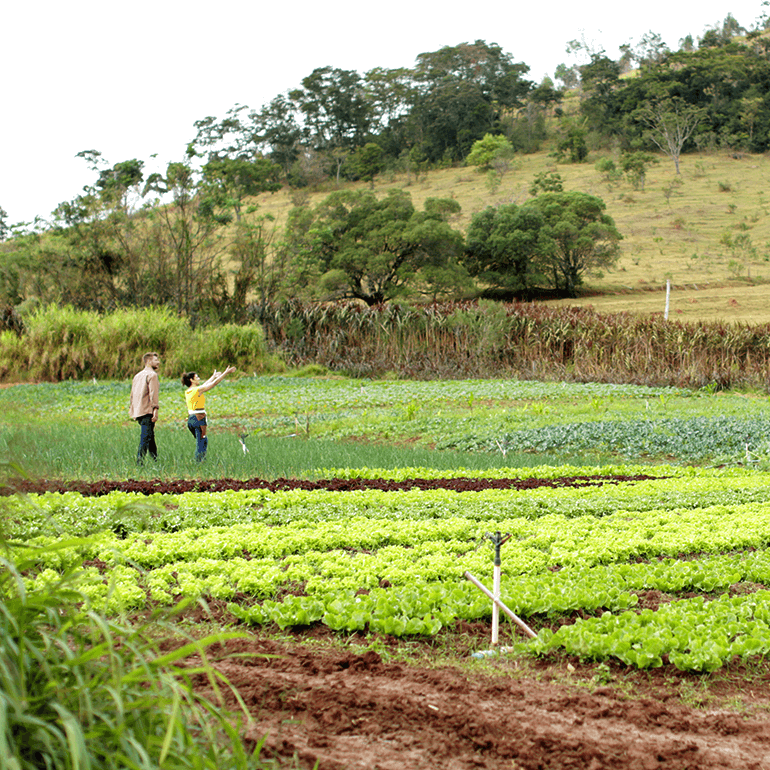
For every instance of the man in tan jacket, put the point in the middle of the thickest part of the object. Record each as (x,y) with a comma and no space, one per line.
(143,405)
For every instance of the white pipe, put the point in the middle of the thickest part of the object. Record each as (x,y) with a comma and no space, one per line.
(496,605)
(517,620)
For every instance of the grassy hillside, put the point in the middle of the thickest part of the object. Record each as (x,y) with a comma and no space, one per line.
(676,228)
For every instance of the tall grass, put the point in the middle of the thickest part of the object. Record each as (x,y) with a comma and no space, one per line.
(450,341)
(80,691)
(62,343)
(76,451)
(527,341)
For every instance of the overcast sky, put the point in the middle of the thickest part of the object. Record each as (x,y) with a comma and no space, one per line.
(130,79)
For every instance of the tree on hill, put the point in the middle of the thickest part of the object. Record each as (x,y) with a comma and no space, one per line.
(576,237)
(95,254)
(671,123)
(489,150)
(552,241)
(335,112)
(377,249)
(501,248)
(230,181)
(463,92)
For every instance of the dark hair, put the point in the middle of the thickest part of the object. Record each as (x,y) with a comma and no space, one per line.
(187,378)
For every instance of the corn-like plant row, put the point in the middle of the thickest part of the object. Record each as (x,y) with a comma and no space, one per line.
(393,562)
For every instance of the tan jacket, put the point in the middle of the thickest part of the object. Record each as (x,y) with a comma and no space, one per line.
(144,393)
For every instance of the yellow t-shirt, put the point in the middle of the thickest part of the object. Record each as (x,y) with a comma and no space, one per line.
(196,402)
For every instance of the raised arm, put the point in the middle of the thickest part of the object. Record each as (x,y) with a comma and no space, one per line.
(215,379)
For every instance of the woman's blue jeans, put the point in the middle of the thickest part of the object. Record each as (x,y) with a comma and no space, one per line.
(197,426)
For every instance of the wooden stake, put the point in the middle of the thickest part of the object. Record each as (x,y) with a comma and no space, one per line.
(517,620)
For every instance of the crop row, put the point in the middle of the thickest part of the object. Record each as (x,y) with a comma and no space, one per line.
(693,635)
(56,514)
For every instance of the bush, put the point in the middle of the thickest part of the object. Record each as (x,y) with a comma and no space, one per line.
(62,343)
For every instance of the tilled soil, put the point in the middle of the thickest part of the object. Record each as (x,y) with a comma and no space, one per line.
(332,708)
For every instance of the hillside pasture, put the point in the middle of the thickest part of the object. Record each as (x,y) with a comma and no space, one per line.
(706,230)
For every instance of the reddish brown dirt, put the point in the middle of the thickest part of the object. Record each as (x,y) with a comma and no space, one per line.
(180,486)
(335,708)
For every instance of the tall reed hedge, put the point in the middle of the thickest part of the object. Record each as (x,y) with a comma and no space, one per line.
(524,340)
(61,343)
(449,340)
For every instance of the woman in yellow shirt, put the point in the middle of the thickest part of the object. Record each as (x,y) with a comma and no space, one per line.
(196,406)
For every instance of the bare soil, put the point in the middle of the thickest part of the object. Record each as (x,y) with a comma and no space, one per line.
(335,704)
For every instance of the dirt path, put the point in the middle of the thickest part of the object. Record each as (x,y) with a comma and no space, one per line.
(342,709)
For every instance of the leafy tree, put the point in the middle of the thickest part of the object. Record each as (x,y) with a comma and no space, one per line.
(576,237)
(186,238)
(609,171)
(335,110)
(600,80)
(634,165)
(569,76)
(715,81)
(229,136)
(390,94)
(451,117)
(572,146)
(502,248)
(96,255)
(259,265)
(464,92)
(486,151)
(275,129)
(687,43)
(4,227)
(486,66)
(547,181)
(302,269)
(751,109)
(367,161)
(650,50)
(719,36)
(377,249)
(545,94)
(231,180)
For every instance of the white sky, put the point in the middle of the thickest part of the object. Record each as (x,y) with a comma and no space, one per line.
(130,79)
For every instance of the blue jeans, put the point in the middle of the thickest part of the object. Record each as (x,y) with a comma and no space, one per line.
(146,439)
(197,426)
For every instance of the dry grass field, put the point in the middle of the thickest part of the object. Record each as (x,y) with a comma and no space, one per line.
(706,231)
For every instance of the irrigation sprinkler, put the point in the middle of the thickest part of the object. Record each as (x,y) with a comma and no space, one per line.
(498,540)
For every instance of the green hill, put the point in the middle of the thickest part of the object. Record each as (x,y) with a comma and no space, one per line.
(706,231)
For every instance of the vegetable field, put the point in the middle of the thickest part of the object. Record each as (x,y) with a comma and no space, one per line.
(393,562)
(638,522)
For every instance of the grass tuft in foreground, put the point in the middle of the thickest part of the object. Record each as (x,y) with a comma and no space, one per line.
(80,691)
